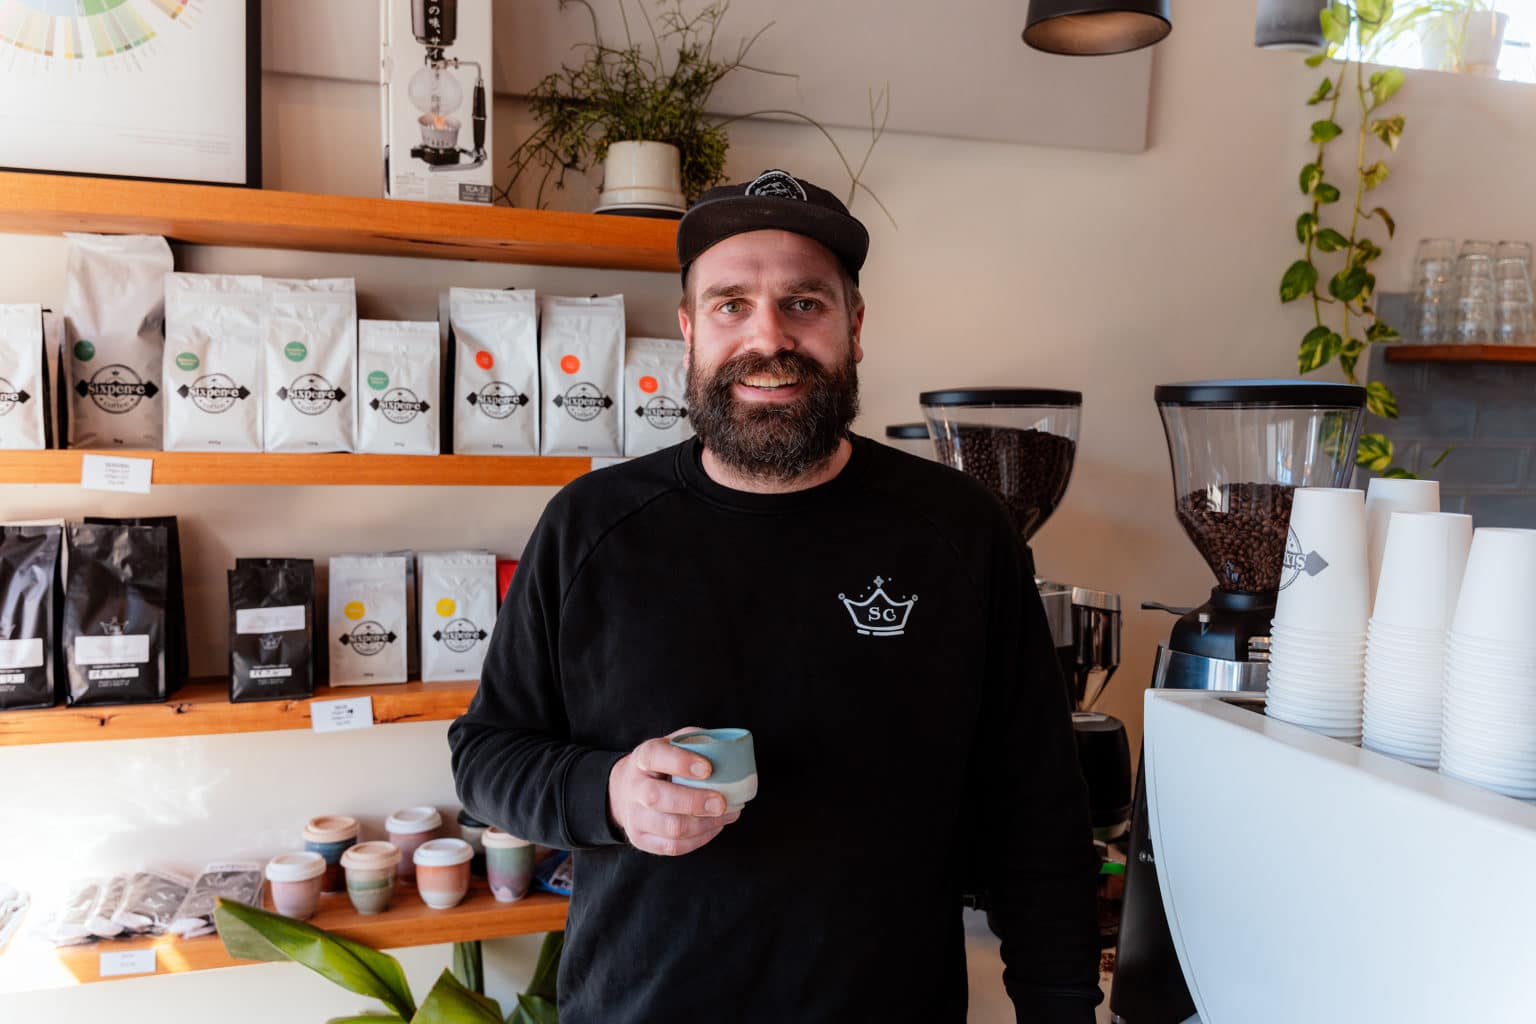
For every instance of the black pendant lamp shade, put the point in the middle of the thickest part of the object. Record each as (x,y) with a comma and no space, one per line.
(1095,28)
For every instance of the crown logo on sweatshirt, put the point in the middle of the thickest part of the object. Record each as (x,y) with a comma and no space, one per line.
(878,613)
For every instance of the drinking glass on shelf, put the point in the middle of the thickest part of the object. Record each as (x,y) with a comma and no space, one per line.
(1474,276)
(1516,304)
(1475,321)
(1476,247)
(1432,290)
(1514,251)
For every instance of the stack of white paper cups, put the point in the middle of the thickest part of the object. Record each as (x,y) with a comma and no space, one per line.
(1317,639)
(1421,572)
(1384,496)
(1488,730)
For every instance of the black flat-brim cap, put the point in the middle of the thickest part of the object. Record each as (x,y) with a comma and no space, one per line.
(773,201)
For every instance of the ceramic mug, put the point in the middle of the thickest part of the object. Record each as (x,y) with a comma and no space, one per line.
(735,765)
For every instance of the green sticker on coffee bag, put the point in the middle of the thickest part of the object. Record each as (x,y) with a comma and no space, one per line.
(378,380)
(295,351)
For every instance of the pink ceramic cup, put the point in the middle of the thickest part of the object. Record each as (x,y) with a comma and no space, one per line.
(410,828)
(442,872)
(295,882)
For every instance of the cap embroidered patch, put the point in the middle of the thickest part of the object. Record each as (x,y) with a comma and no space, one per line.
(779,184)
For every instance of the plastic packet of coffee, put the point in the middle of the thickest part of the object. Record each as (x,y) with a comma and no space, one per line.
(495,356)
(458,611)
(213,362)
(309,333)
(271,630)
(114,629)
(178,663)
(150,903)
(581,355)
(655,381)
(114,313)
(235,880)
(70,924)
(29,574)
(13,909)
(369,625)
(25,422)
(399,379)
(103,920)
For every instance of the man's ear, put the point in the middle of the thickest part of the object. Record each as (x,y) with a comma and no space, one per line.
(857,333)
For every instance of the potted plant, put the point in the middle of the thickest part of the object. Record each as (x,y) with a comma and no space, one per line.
(640,111)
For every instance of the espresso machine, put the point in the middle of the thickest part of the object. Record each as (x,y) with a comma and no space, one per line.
(435,91)
(1239,449)
(1021,443)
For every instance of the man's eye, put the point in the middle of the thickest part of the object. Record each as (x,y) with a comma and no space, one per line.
(805,305)
(730,306)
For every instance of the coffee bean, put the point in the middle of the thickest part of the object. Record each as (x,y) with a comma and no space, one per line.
(1240,529)
(1027,469)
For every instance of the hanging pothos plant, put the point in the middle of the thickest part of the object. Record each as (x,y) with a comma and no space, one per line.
(1334,272)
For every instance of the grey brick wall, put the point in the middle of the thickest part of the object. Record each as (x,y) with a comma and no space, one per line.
(1484,412)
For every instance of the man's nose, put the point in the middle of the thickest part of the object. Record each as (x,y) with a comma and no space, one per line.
(771,332)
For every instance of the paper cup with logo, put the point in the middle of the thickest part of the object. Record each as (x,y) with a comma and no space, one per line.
(1421,570)
(371,869)
(733,761)
(1498,592)
(1324,581)
(330,836)
(295,880)
(1385,496)
(442,872)
(410,828)
(508,865)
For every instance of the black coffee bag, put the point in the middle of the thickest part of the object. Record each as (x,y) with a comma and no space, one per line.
(178,665)
(271,629)
(29,559)
(115,619)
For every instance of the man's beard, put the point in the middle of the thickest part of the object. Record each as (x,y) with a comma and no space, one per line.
(782,440)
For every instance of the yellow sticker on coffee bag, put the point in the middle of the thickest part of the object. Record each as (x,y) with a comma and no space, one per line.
(354,610)
(446,607)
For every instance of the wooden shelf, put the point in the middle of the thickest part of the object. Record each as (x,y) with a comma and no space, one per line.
(408,922)
(219,215)
(202,708)
(1461,354)
(300,470)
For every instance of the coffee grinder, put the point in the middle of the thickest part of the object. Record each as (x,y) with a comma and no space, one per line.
(435,90)
(1021,443)
(1239,450)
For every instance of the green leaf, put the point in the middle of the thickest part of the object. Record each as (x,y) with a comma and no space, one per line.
(1300,278)
(1327,194)
(450,1002)
(1389,130)
(1384,85)
(1316,59)
(375,1017)
(1335,24)
(1322,92)
(1347,363)
(1322,131)
(469,965)
(1380,400)
(252,934)
(1440,458)
(1374,452)
(1374,175)
(1318,348)
(1385,218)
(546,972)
(1311,177)
(1305,225)
(1382,333)
(1352,348)
(534,1010)
(1399,473)
(1366,251)
(1371,12)
(1347,284)
(1330,240)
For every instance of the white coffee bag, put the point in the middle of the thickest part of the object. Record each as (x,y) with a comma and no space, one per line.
(24,417)
(399,379)
(581,352)
(213,363)
(114,312)
(367,621)
(458,612)
(655,380)
(309,332)
(496,371)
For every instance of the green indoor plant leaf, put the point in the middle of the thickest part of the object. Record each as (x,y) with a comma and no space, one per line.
(1318,348)
(534,1010)
(1315,60)
(1305,225)
(1374,175)
(1384,84)
(450,1002)
(1330,240)
(1374,452)
(1326,193)
(1346,285)
(1322,131)
(1380,400)
(469,965)
(1311,177)
(1322,92)
(252,934)
(1335,23)
(1399,473)
(1366,251)
(546,971)
(1300,278)
(1440,458)
(376,1017)
(1347,364)
(1382,333)
(1386,218)
(1389,130)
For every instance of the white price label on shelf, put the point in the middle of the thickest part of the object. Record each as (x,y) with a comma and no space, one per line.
(111,473)
(136,961)
(341,715)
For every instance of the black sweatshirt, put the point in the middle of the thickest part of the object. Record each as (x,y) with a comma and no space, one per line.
(898,745)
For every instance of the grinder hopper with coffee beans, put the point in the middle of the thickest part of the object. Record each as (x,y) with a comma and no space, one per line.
(1020,443)
(1239,448)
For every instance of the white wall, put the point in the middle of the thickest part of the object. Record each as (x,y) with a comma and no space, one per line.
(1012,265)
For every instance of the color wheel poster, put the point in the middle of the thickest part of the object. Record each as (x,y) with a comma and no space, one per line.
(138,88)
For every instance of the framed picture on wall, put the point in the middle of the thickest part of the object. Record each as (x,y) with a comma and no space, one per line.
(161,89)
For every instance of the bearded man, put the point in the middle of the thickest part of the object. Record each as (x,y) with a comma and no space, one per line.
(869,616)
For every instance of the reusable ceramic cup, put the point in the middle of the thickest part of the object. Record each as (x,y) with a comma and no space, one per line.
(1421,569)
(472,831)
(295,883)
(442,872)
(331,836)
(371,870)
(508,865)
(1383,497)
(1324,579)
(410,828)
(729,751)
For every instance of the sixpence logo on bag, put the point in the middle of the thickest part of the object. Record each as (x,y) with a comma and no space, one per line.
(498,400)
(399,405)
(460,636)
(311,394)
(11,396)
(585,402)
(368,638)
(214,392)
(116,389)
